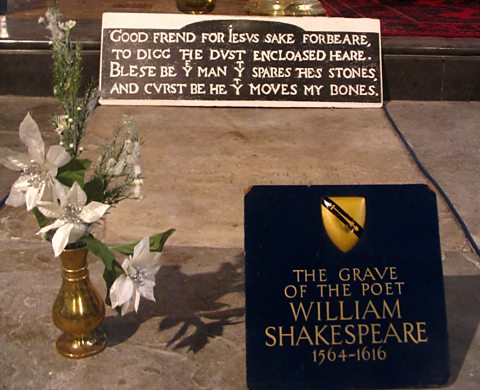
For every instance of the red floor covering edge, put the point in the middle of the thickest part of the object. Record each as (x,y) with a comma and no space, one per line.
(441,18)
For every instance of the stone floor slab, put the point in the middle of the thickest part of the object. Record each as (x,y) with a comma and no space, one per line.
(445,136)
(200,161)
(197,163)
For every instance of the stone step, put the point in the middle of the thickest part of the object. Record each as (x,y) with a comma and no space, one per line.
(414,68)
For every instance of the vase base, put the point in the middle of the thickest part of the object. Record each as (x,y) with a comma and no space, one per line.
(83,346)
(285,8)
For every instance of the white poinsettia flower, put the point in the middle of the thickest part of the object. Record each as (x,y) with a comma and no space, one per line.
(139,278)
(73,216)
(38,169)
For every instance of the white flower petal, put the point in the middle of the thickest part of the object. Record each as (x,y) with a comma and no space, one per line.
(125,307)
(76,195)
(60,238)
(21,184)
(137,300)
(59,192)
(121,291)
(78,231)
(142,247)
(52,172)
(126,264)
(30,134)
(32,196)
(48,193)
(16,198)
(93,211)
(52,226)
(38,156)
(151,261)
(146,290)
(57,156)
(50,209)
(12,160)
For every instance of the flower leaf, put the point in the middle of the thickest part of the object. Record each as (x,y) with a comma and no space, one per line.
(112,268)
(157,242)
(73,172)
(94,190)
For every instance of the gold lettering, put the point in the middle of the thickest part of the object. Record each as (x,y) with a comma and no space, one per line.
(393,273)
(368,275)
(327,310)
(356,274)
(390,312)
(392,332)
(290,334)
(399,287)
(375,330)
(270,336)
(344,275)
(371,309)
(314,275)
(319,339)
(322,275)
(342,314)
(301,308)
(422,332)
(351,337)
(363,330)
(407,332)
(336,333)
(303,335)
(350,334)
(375,274)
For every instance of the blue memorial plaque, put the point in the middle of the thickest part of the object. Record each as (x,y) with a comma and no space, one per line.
(344,288)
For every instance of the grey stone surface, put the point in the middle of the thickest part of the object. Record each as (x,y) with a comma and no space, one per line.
(197,164)
(446,139)
(191,338)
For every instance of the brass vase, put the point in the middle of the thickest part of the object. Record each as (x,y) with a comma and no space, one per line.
(285,7)
(78,309)
(196,6)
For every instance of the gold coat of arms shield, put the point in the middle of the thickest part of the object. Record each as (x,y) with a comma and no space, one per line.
(344,220)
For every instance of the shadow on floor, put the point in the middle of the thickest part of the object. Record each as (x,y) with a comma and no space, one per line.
(463,316)
(190,302)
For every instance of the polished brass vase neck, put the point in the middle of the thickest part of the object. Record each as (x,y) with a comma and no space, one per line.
(74,265)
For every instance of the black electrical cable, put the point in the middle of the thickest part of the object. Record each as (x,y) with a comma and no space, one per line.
(3,199)
(434,182)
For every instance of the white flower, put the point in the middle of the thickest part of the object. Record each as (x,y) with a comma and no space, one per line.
(139,277)
(38,169)
(60,123)
(137,190)
(69,24)
(115,168)
(53,24)
(72,215)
